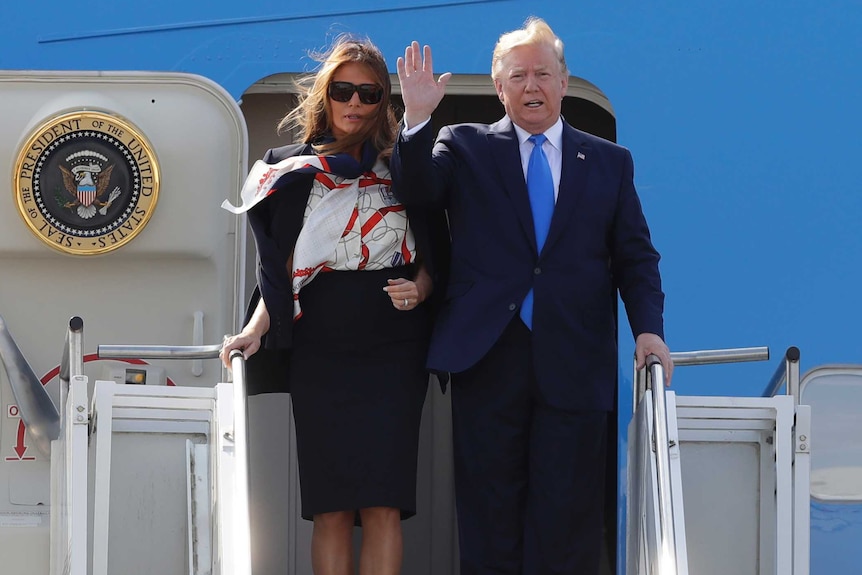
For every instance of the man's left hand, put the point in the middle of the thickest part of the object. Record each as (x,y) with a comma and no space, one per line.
(650,343)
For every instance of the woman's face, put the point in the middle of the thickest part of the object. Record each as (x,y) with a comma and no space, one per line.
(354,115)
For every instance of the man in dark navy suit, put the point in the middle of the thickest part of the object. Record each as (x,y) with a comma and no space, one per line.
(546,228)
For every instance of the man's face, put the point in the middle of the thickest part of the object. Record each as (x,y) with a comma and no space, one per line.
(531,86)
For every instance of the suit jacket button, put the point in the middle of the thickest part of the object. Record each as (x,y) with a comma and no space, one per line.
(512,307)
(537,271)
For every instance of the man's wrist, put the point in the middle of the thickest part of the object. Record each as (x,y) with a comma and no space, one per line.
(409,131)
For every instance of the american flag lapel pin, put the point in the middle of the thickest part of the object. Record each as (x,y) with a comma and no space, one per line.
(581,156)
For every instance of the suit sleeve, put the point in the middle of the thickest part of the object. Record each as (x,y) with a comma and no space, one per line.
(634,262)
(267,370)
(421,171)
(275,222)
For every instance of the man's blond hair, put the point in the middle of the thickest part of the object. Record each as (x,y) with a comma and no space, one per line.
(534,31)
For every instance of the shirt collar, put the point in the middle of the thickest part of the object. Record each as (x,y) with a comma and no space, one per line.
(554,134)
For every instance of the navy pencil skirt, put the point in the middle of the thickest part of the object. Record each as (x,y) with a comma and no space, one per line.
(358,382)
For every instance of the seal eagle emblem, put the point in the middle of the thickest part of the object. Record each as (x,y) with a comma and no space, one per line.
(86,183)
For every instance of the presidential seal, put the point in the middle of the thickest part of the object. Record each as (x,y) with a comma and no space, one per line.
(86,183)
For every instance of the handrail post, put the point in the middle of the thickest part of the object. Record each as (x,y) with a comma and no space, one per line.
(786,372)
(72,362)
(242,523)
(662,450)
(72,359)
(792,369)
(638,385)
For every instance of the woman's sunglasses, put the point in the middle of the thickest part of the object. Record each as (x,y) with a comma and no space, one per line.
(343,91)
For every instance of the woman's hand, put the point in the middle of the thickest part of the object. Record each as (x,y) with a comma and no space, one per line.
(407,294)
(248,340)
(247,343)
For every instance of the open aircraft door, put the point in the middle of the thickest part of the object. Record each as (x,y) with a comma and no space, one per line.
(110,212)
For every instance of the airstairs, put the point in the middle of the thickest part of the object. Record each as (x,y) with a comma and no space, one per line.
(715,484)
(718,485)
(148,478)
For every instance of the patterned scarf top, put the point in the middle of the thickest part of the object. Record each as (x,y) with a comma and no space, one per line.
(352,221)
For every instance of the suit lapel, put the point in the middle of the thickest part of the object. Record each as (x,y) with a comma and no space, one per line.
(503,143)
(573,178)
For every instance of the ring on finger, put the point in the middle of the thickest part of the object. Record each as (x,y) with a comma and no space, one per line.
(406,302)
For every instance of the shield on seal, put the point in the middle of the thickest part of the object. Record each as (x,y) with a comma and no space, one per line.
(86,194)
(86,190)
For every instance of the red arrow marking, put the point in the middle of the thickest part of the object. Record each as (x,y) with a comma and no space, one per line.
(20,448)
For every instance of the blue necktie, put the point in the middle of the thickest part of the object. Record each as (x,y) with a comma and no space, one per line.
(540,185)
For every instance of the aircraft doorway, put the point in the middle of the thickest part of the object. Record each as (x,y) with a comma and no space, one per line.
(279,537)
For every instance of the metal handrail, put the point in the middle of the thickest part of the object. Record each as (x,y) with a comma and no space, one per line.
(655,383)
(700,357)
(786,372)
(159,351)
(713,356)
(35,406)
(193,352)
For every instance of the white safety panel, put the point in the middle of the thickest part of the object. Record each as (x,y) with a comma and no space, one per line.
(739,466)
(164,484)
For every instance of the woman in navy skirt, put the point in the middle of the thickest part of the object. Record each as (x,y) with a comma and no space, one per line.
(343,305)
